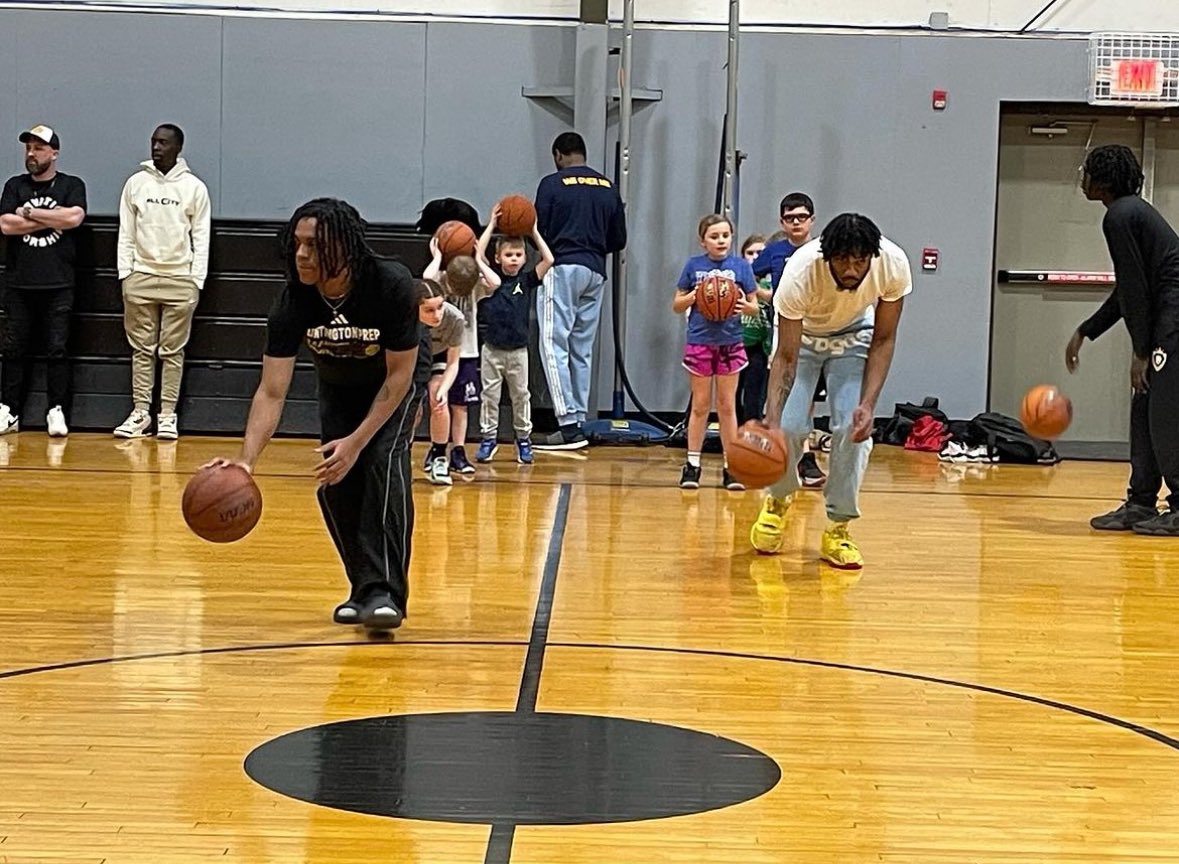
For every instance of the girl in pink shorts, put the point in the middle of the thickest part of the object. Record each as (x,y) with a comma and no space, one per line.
(714,350)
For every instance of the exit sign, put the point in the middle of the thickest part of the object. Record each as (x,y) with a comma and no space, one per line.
(1137,78)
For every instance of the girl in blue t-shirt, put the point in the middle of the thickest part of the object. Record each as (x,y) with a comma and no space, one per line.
(714,350)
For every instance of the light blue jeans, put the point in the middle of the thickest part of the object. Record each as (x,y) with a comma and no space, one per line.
(843,357)
(568,306)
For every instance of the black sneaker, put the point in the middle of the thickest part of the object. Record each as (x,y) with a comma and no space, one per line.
(810,472)
(459,463)
(1124,518)
(347,612)
(1165,524)
(690,477)
(381,613)
(569,438)
(730,482)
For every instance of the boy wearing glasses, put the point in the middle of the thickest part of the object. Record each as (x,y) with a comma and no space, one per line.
(796,215)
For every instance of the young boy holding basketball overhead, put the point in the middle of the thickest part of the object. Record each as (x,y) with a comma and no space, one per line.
(839,304)
(714,350)
(503,321)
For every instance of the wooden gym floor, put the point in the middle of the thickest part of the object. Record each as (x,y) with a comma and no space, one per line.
(998,685)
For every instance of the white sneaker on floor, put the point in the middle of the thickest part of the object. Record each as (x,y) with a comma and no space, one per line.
(135,426)
(55,423)
(166,427)
(9,422)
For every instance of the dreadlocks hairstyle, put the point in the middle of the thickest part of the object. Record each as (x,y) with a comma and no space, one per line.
(1115,168)
(339,238)
(850,235)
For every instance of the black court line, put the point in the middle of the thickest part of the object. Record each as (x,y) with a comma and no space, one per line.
(1144,731)
(589,484)
(244,649)
(534,662)
(1137,729)
(499,843)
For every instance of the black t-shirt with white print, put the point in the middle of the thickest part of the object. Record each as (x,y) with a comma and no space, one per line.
(45,258)
(348,339)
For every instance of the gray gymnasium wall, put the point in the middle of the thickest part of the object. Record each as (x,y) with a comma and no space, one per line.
(392,114)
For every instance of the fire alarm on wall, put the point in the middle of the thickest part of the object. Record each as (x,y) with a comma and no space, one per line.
(929,258)
(939,100)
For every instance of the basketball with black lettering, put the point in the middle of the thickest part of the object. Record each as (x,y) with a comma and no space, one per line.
(1046,412)
(716,298)
(222,504)
(758,456)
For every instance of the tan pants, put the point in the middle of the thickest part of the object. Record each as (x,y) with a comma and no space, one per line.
(157,315)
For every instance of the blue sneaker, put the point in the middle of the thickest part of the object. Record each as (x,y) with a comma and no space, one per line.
(524,451)
(488,447)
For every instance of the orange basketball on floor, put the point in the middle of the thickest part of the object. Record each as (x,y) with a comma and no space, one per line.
(454,238)
(758,456)
(516,216)
(716,298)
(222,505)
(1046,412)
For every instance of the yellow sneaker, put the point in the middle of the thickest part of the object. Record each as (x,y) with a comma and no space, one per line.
(766,533)
(839,550)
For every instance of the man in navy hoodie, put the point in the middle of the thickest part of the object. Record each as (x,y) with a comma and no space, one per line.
(583,218)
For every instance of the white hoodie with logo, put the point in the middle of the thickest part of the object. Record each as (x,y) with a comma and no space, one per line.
(164,224)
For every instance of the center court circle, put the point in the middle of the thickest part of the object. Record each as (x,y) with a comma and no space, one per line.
(503,767)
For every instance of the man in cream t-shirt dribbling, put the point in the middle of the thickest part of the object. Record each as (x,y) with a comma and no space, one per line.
(838,304)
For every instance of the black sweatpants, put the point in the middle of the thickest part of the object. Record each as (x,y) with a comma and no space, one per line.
(45,313)
(370,512)
(751,385)
(1154,434)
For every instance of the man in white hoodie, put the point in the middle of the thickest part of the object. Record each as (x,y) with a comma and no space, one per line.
(164,223)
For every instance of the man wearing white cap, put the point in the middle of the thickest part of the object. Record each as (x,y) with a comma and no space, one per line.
(39,212)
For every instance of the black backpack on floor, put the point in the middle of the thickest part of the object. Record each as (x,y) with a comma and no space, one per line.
(897,428)
(1006,438)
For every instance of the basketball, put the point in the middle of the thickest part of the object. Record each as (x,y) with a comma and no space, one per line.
(454,238)
(516,216)
(758,456)
(1046,412)
(222,505)
(716,298)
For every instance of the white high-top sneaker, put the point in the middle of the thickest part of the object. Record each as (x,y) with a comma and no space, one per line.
(9,422)
(135,426)
(55,423)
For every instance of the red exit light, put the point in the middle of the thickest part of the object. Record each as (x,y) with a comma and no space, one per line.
(1137,78)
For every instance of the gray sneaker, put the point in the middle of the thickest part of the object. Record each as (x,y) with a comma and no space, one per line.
(1163,525)
(1124,518)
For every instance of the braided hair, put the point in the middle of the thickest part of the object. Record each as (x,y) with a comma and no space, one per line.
(850,235)
(1115,169)
(339,239)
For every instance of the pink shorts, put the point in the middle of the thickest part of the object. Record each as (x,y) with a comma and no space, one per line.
(709,360)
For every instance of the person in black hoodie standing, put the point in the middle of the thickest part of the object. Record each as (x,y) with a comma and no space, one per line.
(1145,253)
(581,215)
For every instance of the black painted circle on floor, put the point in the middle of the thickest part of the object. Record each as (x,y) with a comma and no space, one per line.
(501,767)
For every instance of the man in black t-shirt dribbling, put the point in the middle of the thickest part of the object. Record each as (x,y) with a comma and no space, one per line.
(358,316)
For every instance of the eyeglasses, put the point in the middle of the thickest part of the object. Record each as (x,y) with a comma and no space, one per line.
(797,217)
